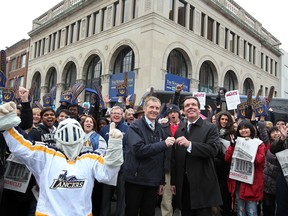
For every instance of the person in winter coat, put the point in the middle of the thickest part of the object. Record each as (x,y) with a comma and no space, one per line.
(247,195)
(144,161)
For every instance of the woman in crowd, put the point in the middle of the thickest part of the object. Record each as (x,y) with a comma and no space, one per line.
(94,142)
(247,195)
(224,122)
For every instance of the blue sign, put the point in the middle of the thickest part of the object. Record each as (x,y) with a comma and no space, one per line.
(171,81)
(116,80)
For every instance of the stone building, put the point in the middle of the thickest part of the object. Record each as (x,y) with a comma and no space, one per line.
(205,44)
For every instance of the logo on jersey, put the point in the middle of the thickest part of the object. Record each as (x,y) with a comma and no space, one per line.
(65,181)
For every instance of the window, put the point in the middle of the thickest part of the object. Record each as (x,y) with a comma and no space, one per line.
(271,66)
(37,82)
(231,41)
(206,78)
(70,76)
(66,35)
(244,49)
(124,61)
(176,64)
(125,11)
(217,33)
(210,29)
(276,71)
(191,27)
(171,10)
(203,24)
(52,79)
(88,25)
(96,24)
(49,44)
(135,8)
(262,58)
(72,32)
(266,63)
(116,11)
(23,61)
(21,81)
(103,24)
(229,82)
(248,85)
(59,39)
(39,48)
(93,75)
(13,64)
(181,13)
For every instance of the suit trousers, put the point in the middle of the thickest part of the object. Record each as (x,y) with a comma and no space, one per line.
(140,199)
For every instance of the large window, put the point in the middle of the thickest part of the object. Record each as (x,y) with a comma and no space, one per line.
(93,75)
(210,29)
(206,78)
(176,64)
(229,81)
(135,8)
(70,78)
(37,82)
(124,61)
(248,84)
(52,79)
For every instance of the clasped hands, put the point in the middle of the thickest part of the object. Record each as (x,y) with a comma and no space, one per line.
(182,141)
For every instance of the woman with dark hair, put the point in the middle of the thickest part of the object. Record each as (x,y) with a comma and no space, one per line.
(247,195)
(224,122)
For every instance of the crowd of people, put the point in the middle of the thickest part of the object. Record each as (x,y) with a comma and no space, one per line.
(165,155)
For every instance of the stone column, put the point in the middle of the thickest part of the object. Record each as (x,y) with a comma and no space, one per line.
(187,17)
(214,31)
(92,24)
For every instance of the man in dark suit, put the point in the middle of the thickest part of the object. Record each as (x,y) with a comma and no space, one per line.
(197,190)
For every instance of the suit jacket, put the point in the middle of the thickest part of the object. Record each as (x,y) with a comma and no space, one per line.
(198,166)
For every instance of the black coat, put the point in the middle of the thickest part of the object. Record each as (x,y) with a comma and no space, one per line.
(198,165)
(144,161)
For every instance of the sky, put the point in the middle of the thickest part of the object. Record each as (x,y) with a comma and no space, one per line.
(16,22)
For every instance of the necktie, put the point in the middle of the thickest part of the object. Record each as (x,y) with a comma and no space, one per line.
(151,126)
(189,127)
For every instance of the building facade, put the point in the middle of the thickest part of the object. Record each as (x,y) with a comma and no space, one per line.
(211,43)
(17,57)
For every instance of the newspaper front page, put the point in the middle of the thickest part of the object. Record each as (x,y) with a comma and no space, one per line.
(242,165)
(283,160)
(16,176)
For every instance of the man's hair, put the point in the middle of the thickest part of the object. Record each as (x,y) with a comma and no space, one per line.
(46,109)
(116,107)
(190,97)
(280,119)
(66,111)
(151,98)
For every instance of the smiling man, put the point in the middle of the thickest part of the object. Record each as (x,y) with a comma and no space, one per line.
(143,165)
(46,129)
(193,173)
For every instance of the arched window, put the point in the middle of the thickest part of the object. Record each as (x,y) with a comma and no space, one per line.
(52,79)
(248,84)
(37,80)
(206,78)
(124,61)
(176,64)
(70,78)
(229,81)
(93,75)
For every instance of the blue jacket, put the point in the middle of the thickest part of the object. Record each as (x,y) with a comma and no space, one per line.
(144,162)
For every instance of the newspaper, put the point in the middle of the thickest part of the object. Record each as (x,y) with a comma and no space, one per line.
(242,165)
(16,176)
(282,157)
(224,144)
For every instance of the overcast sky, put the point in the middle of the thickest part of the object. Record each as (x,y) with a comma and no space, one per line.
(16,18)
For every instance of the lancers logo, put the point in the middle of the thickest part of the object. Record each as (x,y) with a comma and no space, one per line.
(65,181)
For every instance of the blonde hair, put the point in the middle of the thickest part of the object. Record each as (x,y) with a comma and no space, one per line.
(36,110)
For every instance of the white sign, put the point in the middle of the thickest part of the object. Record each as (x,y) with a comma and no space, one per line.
(282,157)
(242,165)
(232,99)
(16,176)
(202,98)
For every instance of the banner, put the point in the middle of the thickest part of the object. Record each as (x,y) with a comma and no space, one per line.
(282,157)
(116,80)
(202,99)
(232,99)
(171,81)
